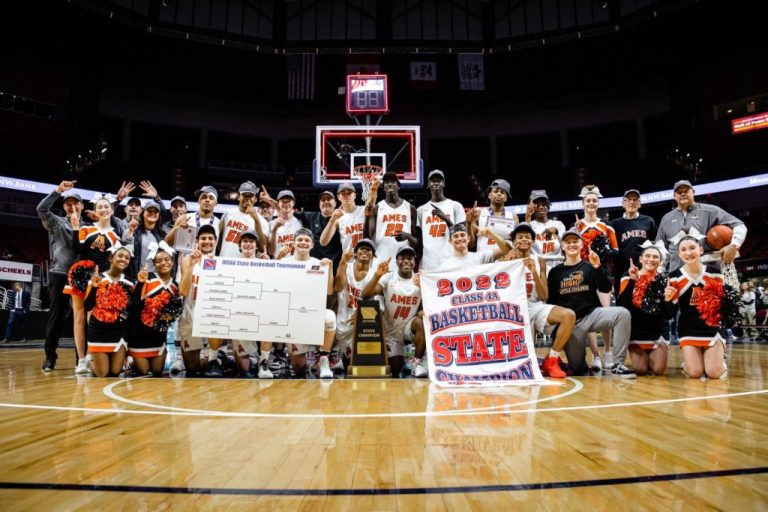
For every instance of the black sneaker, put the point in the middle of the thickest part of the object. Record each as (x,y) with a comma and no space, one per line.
(622,371)
(214,369)
(49,365)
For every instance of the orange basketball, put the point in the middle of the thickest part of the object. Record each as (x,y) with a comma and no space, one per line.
(719,236)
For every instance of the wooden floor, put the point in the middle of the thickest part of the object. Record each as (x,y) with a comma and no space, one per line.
(598,443)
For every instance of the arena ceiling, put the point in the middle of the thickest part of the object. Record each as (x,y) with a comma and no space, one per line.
(381,26)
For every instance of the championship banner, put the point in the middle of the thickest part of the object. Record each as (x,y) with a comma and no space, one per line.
(261,300)
(477,326)
(15,271)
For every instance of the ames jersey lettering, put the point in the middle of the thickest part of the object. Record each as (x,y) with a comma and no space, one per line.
(434,231)
(351,228)
(235,224)
(401,303)
(285,233)
(389,222)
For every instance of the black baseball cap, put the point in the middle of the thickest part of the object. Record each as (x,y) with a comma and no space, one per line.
(522,228)
(206,228)
(366,242)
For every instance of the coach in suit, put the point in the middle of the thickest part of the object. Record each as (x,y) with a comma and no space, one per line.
(62,257)
(19,308)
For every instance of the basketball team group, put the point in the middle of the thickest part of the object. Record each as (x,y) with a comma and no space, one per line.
(131,276)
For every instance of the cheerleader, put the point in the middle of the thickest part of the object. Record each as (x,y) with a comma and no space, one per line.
(698,292)
(108,297)
(648,349)
(590,228)
(91,244)
(158,305)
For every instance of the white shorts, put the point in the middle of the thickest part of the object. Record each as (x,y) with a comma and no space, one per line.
(397,338)
(330,320)
(344,334)
(539,312)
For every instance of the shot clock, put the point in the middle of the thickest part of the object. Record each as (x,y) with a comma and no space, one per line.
(367,94)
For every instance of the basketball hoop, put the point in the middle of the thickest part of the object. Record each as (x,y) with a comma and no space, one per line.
(367,174)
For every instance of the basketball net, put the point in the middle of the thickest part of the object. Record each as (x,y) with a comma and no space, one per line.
(367,174)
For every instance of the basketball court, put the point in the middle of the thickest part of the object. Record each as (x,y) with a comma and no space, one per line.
(654,443)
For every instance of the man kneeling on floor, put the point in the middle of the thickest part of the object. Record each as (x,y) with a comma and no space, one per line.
(574,285)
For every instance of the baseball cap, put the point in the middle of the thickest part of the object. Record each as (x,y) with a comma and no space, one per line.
(133,200)
(571,232)
(368,242)
(539,194)
(206,228)
(74,196)
(458,228)
(436,172)
(248,187)
(285,193)
(681,183)
(405,248)
(208,190)
(522,228)
(390,176)
(631,191)
(249,234)
(345,186)
(502,184)
(326,193)
(152,204)
(178,198)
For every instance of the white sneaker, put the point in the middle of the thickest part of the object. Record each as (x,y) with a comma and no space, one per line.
(82,367)
(177,366)
(264,371)
(608,363)
(325,368)
(597,364)
(420,369)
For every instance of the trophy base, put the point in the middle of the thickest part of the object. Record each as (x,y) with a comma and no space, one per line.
(363,372)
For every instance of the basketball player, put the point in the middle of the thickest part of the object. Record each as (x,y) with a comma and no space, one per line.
(190,274)
(463,258)
(350,281)
(207,200)
(402,302)
(349,220)
(548,231)
(494,216)
(391,223)
(238,220)
(544,317)
(284,226)
(435,219)
(303,242)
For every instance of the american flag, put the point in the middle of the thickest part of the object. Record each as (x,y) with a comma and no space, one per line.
(301,76)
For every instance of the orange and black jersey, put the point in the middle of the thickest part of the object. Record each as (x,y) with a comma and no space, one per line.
(645,327)
(687,298)
(93,243)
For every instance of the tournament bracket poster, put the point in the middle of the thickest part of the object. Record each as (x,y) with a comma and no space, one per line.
(477,327)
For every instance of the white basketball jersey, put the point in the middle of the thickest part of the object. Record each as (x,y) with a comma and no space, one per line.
(352,292)
(235,224)
(285,233)
(434,231)
(503,229)
(401,303)
(351,228)
(548,249)
(389,222)
(530,284)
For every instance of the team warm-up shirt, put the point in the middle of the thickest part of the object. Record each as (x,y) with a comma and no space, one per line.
(235,224)
(548,249)
(401,303)
(350,228)
(630,234)
(285,233)
(471,259)
(352,292)
(687,298)
(389,222)
(486,219)
(575,287)
(435,237)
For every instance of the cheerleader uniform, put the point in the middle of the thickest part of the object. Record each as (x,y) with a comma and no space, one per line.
(110,302)
(694,331)
(592,230)
(91,244)
(647,331)
(148,327)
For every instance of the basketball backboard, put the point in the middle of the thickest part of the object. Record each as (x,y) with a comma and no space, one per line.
(339,149)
